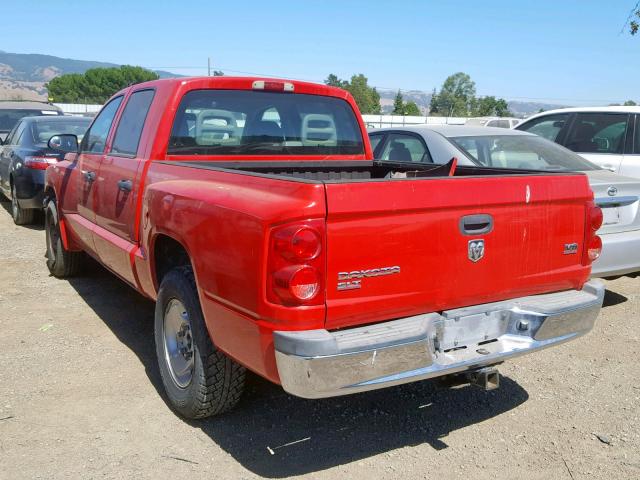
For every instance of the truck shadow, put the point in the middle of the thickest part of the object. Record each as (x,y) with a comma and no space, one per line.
(276,435)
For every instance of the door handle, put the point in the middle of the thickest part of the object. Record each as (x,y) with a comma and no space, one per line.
(89,176)
(125,185)
(476,224)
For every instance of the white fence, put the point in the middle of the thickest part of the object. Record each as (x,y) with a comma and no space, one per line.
(78,108)
(381,121)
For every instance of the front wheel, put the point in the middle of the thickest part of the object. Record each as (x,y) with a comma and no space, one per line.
(61,263)
(199,379)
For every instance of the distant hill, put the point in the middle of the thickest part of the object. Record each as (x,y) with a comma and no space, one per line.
(23,75)
(423,99)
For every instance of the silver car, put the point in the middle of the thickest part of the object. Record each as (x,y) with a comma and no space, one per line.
(500,148)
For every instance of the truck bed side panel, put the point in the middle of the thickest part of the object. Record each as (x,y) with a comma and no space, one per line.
(223,219)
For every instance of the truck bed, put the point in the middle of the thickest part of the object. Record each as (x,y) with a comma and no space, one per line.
(408,217)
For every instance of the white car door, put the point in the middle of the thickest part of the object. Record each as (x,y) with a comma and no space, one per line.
(600,137)
(631,160)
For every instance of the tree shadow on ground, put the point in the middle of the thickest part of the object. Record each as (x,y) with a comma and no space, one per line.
(274,434)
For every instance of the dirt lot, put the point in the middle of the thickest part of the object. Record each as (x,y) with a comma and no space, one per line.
(80,397)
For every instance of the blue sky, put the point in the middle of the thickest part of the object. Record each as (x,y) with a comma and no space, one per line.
(561,51)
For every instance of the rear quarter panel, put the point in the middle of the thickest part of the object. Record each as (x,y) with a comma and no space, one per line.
(223,219)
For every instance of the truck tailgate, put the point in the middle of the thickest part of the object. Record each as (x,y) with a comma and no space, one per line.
(397,248)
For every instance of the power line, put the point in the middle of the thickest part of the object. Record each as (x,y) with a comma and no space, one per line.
(379,87)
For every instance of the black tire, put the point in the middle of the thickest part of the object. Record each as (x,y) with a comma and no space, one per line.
(21,216)
(216,382)
(61,262)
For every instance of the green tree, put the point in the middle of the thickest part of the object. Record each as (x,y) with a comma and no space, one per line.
(411,109)
(333,81)
(218,73)
(96,85)
(398,105)
(367,98)
(633,21)
(491,106)
(456,97)
(630,103)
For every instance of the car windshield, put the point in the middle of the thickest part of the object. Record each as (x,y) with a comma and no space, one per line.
(9,117)
(44,130)
(527,152)
(236,122)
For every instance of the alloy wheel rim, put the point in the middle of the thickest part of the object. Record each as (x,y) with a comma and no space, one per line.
(178,343)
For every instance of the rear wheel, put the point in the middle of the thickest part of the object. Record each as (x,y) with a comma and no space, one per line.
(61,262)
(21,216)
(199,379)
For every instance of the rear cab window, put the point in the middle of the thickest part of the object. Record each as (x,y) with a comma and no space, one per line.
(246,122)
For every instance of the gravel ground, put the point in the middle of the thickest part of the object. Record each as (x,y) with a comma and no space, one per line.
(80,397)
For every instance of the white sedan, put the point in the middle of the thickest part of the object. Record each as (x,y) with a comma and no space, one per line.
(619,196)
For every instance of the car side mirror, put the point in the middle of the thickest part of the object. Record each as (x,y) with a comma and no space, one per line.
(67,143)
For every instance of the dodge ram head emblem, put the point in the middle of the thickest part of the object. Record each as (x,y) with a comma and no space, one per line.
(476,250)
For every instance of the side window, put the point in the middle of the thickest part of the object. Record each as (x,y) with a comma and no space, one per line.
(547,127)
(131,123)
(375,140)
(96,138)
(502,123)
(12,138)
(405,148)
(471,147)
(491,123)
(598,133)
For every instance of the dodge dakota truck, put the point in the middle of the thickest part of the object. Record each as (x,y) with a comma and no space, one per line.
(252,212)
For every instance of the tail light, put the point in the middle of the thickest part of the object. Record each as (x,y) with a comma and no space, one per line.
(296,264)
(592,243)
(39,163)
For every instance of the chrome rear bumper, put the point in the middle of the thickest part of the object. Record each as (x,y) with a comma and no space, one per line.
(319,363)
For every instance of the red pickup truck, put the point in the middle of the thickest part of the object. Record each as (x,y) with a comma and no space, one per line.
(252,212)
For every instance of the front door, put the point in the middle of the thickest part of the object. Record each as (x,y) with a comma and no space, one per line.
(120,170)
(82,221)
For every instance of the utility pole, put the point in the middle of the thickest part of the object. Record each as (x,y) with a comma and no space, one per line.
(208,66)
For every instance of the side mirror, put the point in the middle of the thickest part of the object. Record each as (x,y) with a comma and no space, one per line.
(66,143)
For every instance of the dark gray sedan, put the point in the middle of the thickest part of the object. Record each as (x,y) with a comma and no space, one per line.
(618,196)
(24,157)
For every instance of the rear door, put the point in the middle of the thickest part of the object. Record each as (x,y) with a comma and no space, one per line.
(631,160)
(118,187)
(81,219)
(600,137)
(405,247)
